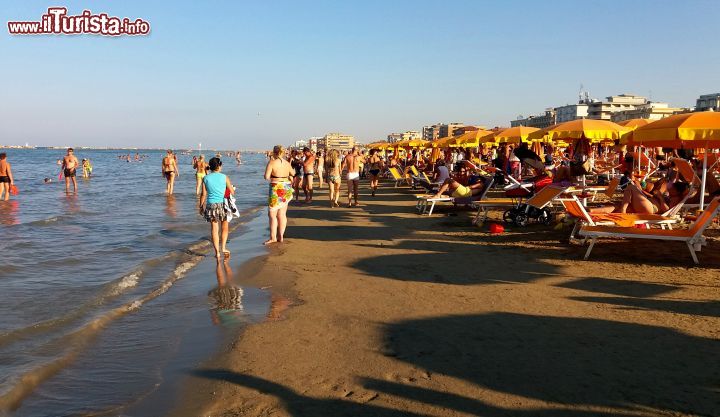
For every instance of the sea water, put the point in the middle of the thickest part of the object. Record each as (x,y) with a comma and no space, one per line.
(106,295)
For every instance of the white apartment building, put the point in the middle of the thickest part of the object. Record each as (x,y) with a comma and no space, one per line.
(651,111)
(538,121)
(603,110)
(570,112)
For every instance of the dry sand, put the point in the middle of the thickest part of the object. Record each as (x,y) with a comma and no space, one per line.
(396,314)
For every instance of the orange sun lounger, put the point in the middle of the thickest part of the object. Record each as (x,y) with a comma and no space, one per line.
(692,237)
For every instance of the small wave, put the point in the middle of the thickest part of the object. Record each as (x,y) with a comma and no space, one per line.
(128,281)
(110,291)
(80,339)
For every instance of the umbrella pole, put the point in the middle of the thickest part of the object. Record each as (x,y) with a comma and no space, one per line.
(704,176)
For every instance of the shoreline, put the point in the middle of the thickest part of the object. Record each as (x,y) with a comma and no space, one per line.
(400,314)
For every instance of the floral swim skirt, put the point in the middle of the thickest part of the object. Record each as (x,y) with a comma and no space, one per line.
(215,212)
(281,193)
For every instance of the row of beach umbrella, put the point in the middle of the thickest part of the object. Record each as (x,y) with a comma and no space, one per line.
(698,130)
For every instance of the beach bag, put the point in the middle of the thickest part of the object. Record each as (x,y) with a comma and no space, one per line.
(14,190)
(230,207)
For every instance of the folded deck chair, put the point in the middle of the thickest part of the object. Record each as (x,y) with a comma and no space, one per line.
(540,200)
(396,176)
(693,236)
(574,208)
(424,201)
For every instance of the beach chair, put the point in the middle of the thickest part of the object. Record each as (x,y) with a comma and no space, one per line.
(425,181)
(396,176)
(506,204)
(574,208)
(426,203)
(687,172)
(692,237)
(535,207)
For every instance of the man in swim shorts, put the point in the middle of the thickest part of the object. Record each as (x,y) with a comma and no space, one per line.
(351,164)
(6,177)
(69,166)
(170,170)
(308,174)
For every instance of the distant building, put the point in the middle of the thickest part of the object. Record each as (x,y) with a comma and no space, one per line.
(337,141)
(708,102)
(538,121)
(571,112)
(450,129)
(313,143)
(603,110)
(394,137)
(411,135)
(299,144)
(431,132)
(651,111)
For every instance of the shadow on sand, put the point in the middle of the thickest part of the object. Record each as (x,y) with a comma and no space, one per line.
(569,363)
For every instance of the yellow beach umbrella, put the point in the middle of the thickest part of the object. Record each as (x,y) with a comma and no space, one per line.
(541,134)
(442,142)
(590,129)
(687,130)
(515,134)
(411,143)
(632,124)
(470,139)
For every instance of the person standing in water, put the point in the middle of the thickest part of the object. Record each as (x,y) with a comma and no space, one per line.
(69,167)
(170,170)
(351,164)
(87,168)
(375,165)
(332,167)
(212,206)
(278,171)
(309,174)
(6,177)
(201,168)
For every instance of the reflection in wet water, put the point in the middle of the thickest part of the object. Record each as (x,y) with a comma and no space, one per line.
(171,207)
(71,203)
(9,212)
(227,297)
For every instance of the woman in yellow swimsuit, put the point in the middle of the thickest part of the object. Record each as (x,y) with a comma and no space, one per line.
(200,170)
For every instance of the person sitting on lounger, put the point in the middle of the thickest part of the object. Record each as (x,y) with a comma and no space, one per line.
(457,190)
(658,198)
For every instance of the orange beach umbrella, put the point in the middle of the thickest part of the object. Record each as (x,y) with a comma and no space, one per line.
(687,130)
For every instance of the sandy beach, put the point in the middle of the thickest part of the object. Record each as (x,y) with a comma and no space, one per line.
(393,313)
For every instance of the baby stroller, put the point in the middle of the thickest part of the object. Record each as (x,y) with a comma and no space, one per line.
(536,207)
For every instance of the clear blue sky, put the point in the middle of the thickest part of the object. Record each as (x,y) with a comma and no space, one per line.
(366,68)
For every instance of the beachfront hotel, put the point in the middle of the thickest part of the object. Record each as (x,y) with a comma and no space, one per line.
(339,141)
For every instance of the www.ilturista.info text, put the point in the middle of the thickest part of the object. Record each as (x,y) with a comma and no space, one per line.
(57,22)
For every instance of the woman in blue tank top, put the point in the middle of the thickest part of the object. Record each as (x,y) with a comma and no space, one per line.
(212,208)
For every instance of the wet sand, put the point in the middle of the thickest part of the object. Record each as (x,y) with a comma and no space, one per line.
(396,314)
